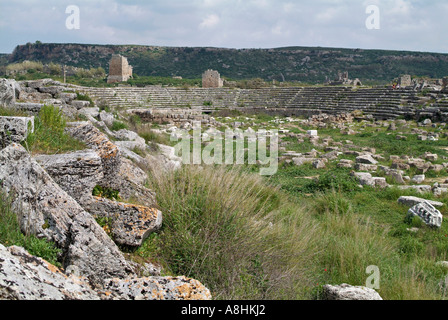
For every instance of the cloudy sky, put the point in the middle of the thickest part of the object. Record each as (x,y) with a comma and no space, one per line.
(417,25)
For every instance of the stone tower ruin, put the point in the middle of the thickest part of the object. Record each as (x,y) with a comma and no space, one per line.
(405,80)
(212,79)
(119,69)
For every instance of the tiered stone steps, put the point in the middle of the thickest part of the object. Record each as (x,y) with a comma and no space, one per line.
(381,102)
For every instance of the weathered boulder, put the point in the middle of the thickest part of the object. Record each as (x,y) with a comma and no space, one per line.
(9,91)
(165,158)
(366,167)
(319,164)
(100,143)
(156,288)
(345,163)
(396,176)
(367,159)
(107,118)
(77,173)
(114,173)
(418,178)
(348,292)
(411,201)
(80,104)
(53,90)
(29,107)
(419,188)
(15,129)
(26,277)
(430,215)
(130,224)
(67,97)
(380,182)
(45,210)
(364,178)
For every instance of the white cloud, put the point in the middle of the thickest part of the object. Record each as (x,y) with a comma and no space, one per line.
(209,21)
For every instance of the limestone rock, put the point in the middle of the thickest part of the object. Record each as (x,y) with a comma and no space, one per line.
(418,178)
(107,118)
(79,104)
(348,292)
(26,277)
(166,158)
(45,210)
(366,167)
(29,107)
(411,201)
(380,182)
(15,129)
(367,159)
(319,164)
(100,143)
(53,90)
(396,176)
(156,288)
(77,173)
(8,92)
(131,224)
(430,215)
(420,188)
(365,179)
(345,163)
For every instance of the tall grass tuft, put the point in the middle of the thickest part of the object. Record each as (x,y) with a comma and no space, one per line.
(49,136)
(10,234)
(242,238)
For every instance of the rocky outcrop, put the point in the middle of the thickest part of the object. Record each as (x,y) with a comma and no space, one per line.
(26,277)
(111,162)
(15,129)
(9,91)
(46,210)
(348,292)
(130,224)
(77,173)
(156,288)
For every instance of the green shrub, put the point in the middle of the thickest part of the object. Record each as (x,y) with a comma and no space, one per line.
(108,193)
(49,136)
(84,97)
(118,125)
(337,179)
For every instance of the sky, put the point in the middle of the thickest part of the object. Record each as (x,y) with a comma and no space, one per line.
(414,25)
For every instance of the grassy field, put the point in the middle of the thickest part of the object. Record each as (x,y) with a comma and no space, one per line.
(306,226)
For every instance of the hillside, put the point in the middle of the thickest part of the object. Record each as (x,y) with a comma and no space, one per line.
(291,64)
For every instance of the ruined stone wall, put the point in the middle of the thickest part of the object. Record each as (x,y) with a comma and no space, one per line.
(405,81)
(212,79)
(119,69)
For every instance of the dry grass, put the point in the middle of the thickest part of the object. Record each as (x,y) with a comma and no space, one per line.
(241,238)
